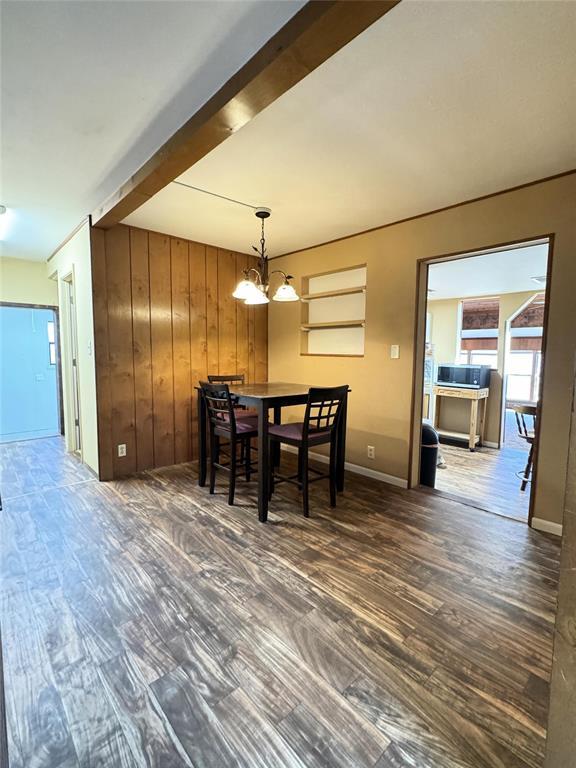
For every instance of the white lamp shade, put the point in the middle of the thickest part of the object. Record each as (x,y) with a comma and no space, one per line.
(256,296)
(285,292)
(243,289)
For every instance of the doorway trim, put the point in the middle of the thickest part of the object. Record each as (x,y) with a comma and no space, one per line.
(419,346)
(56,311)
(71,368)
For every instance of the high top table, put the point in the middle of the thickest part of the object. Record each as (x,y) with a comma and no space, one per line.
(263,397)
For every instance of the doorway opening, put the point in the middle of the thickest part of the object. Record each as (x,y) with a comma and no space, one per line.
(30,377)
(482,362)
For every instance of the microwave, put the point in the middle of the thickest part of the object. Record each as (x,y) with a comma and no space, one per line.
(470,376)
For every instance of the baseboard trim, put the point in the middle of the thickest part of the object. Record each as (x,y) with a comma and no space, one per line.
(488,444)
(356,468)
(547,526)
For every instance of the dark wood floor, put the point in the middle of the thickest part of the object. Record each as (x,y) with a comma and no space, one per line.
(145,623)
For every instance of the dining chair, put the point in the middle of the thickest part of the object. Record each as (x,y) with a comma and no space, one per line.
(223,422)
(522,412)
(233,378)
(241,411)
(320,427)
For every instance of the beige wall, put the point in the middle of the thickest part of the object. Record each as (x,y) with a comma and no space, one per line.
(381,400)
(26,282)
(74,259)
(444,329)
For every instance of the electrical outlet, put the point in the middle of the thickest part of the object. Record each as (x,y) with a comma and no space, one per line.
(122,449)
(395,351)
(371,452)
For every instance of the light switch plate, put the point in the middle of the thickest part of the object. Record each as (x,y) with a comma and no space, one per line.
(395,351)
(122,449)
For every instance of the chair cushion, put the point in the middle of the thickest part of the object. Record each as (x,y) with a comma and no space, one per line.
(245,413)
(293,431)
(244,426)
(241,413)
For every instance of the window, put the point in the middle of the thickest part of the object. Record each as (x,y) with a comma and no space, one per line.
(479,332)
(51,342)
(479,357)
(523,382)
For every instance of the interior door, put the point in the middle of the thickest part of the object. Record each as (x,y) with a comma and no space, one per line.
(29,405)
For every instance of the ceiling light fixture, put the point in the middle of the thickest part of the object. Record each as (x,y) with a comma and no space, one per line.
(255,290)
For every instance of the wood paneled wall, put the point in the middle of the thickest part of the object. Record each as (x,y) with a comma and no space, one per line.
(164,318)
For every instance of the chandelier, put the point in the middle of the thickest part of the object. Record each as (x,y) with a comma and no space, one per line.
(253,289)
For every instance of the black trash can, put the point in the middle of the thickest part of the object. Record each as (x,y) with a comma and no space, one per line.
(428,456)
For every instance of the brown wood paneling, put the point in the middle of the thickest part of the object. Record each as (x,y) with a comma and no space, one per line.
(260,339)
(226,312)
(261,343)
(241,321)
(101,356)
(142,349)
(212,354)
(164,318)
(252,262)
(162,355)
(181,349)
(198,345)
(120,348)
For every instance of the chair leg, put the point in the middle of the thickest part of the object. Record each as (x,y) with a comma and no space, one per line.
(271,470)
(300,452)
(332,472)
(213,455)
(232,486)
(527,469)
(247,448)
(304,480)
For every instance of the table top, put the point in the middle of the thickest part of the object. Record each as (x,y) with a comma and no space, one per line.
(269,389)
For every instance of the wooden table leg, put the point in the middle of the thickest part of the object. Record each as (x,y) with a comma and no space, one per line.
(276,445)
(201,441)
(482,428)
(263,459)
(341,447)
(473,424)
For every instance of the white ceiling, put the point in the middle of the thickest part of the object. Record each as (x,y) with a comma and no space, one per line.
(91,89)
(436,103)
(491,274)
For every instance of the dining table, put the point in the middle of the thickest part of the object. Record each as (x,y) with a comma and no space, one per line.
(263,398)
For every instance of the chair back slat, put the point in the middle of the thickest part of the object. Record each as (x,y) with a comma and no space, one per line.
(522,412)
(229,378)
(219,405)
(323,409)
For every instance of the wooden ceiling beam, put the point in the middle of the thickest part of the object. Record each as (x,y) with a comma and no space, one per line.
(313,35)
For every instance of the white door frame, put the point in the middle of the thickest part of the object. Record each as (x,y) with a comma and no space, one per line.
(70,370)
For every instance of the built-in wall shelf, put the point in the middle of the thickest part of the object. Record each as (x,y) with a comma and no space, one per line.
(334,312)
(334,324)
(334,294)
